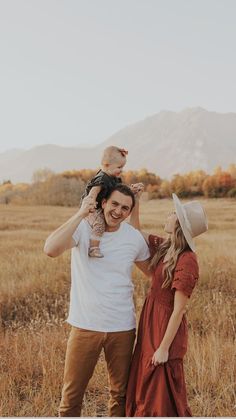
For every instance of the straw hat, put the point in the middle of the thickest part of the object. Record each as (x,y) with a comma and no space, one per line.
(192,219)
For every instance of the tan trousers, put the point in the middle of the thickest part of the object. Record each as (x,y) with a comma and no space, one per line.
(83,350)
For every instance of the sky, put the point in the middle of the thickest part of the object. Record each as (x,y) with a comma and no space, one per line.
(74,72)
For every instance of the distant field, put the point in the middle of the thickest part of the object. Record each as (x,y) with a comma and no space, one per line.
(34,296)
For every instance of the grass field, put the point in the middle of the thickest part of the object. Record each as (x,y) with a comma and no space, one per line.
(34,296)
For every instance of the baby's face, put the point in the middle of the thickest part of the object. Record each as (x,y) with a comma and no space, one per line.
(115,169)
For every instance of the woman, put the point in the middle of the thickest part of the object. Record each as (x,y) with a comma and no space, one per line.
(156,384)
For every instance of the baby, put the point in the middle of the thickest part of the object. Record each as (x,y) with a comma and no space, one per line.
(112,163)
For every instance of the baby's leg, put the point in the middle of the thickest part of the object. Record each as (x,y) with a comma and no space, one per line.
(98,229)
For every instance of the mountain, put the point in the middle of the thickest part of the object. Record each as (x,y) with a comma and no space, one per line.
(165,143)
(170,142)
(22,165)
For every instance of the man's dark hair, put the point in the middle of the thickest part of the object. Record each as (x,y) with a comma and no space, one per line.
(120,187)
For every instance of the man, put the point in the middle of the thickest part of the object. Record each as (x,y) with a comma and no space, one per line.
(101,311)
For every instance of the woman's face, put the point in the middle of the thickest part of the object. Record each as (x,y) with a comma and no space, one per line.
(170,223)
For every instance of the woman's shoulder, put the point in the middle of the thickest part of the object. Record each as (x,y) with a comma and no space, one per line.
(187,256)
(187,261)
(154,240)
(154,243)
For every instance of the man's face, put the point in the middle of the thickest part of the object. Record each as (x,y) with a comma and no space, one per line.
(116,209)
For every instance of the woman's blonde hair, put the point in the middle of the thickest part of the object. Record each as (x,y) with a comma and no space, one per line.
(174,245)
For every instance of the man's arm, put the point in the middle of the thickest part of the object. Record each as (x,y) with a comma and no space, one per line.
(137,189)
(61,239)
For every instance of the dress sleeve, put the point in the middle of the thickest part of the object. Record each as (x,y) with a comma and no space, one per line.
(154,242)
(186,274)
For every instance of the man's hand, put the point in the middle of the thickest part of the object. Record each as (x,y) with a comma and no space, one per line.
(137,189)
(88,205)
(62,238)
(160,356)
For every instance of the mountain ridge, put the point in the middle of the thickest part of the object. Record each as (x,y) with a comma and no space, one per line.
(166,143)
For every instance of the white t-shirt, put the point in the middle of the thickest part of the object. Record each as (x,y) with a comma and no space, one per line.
(101,296)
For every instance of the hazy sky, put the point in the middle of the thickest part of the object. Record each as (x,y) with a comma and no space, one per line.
(76,71)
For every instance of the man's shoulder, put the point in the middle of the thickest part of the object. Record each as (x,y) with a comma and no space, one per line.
(82,228)
(83,224)
(136,241)
(132,231)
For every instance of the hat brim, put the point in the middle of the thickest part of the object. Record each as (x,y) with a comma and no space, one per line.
(180,215)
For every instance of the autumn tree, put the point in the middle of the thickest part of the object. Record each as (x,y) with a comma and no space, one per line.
(232,171)
(66,188)
(41,175)
(165,189)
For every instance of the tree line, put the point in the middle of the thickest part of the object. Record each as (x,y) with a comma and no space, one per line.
(66,189)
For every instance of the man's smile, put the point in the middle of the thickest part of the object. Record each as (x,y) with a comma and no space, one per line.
(114,216)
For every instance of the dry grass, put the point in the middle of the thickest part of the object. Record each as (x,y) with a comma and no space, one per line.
(34,293)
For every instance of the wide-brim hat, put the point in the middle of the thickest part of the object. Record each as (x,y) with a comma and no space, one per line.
(192,219)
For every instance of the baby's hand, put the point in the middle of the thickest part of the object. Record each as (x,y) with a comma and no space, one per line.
(137,189)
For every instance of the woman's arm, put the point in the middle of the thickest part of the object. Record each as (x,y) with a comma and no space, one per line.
(144,267)
(61,239)
(162,353)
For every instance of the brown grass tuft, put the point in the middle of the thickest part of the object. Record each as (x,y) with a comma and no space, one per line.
(34,299)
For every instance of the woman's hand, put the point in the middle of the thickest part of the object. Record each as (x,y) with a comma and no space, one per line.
(160,356)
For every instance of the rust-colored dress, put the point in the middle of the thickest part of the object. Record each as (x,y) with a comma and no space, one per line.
(160,390)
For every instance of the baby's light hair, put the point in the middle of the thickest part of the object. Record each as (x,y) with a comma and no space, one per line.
(113,154)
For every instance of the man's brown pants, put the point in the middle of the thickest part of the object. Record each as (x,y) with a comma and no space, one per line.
(83,350)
